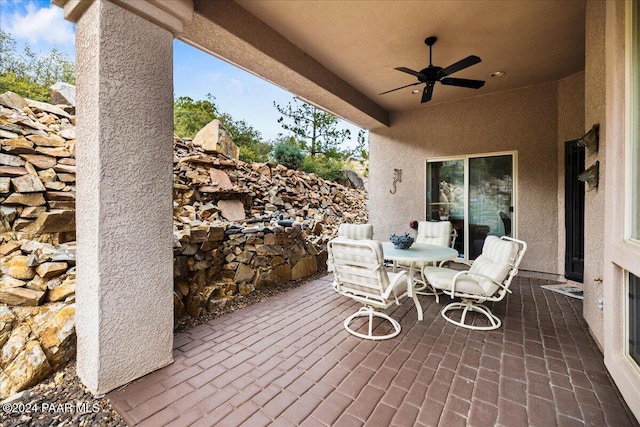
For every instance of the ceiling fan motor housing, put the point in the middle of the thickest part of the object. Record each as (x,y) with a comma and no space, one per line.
(431,73)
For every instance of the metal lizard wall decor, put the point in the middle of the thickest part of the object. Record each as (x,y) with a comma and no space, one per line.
(397,177)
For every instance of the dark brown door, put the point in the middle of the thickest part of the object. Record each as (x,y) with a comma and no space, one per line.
(574,211)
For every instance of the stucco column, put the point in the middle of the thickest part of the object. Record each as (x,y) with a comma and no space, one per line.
(124,151)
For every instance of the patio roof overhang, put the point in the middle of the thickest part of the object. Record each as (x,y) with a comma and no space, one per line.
(227,30)
(341,55)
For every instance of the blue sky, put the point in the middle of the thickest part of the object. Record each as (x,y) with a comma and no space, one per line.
(41,25)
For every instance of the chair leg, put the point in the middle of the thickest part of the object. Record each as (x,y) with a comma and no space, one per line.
(466,306)
(425,288)
(371,313)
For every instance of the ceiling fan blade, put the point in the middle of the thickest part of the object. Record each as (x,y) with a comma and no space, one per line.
(460,65)
(402,87)
(472,84)
(410,71)
(427,92)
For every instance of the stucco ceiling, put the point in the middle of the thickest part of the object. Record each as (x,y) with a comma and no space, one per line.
(362,41)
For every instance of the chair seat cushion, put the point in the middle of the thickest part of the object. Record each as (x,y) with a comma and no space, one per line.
(442,278)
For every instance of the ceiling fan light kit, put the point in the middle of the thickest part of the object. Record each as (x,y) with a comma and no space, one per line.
(432,74)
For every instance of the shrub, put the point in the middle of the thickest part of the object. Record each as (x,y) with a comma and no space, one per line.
(326,168)
(288,154)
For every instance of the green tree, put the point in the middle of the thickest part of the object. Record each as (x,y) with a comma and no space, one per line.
(190,116)
(316,129)
(249,140)
(30,74)
(287,152)
(362,147)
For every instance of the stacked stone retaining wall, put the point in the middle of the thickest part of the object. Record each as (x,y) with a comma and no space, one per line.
(237,227)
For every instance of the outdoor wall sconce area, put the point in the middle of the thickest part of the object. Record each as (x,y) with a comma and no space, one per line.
(591,176)
(590,139)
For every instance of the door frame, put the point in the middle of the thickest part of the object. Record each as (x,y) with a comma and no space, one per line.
(465,158)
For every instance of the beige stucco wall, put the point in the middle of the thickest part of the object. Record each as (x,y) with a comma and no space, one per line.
(124,317)
(524,120)
(570,126)
(595,103)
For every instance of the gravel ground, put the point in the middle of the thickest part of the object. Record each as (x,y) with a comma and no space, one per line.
(62,400)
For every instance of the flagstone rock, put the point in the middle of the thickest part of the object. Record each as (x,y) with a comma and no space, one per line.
(10,247)
(37,284)
(28,184)
(232,210)
(55,186)
(12,171)
(214,138)
(272,277)
(55,221)
(10,160)
(5,185)
(40,161)
(21,296)
(15,344)
(8,134)
(52,140)
(48,270)
(53,151)
(57,336)
(7,281)
(63,93)
(243,274)
(43,106)
(305,267)
(7,318)
(61,167)
(29,367)
(220,178)
(17,146)
(13,100)
(30,199)
(269,250)
(32,212)
(68,133)
(18,268)
(67,177)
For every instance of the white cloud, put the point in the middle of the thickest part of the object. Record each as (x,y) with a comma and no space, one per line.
(214,76)
(41,24)
(236,85)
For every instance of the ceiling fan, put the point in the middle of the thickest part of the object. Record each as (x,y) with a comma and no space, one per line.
(433,74)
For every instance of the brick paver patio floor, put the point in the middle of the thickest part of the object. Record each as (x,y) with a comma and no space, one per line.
(289,361)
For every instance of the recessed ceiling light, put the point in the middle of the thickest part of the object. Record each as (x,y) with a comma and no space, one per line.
(415,91)
(497,74)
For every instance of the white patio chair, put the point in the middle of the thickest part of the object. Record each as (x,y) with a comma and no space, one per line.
(360,274)
(439,233)
(488,279)
(353,232)
(356,231)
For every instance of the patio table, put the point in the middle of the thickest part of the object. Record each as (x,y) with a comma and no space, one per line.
(417,253)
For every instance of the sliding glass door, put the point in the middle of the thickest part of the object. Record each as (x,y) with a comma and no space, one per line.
(475,193)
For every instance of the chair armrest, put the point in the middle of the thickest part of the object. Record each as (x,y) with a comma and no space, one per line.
(466,273)
(398,277)
(455,260)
